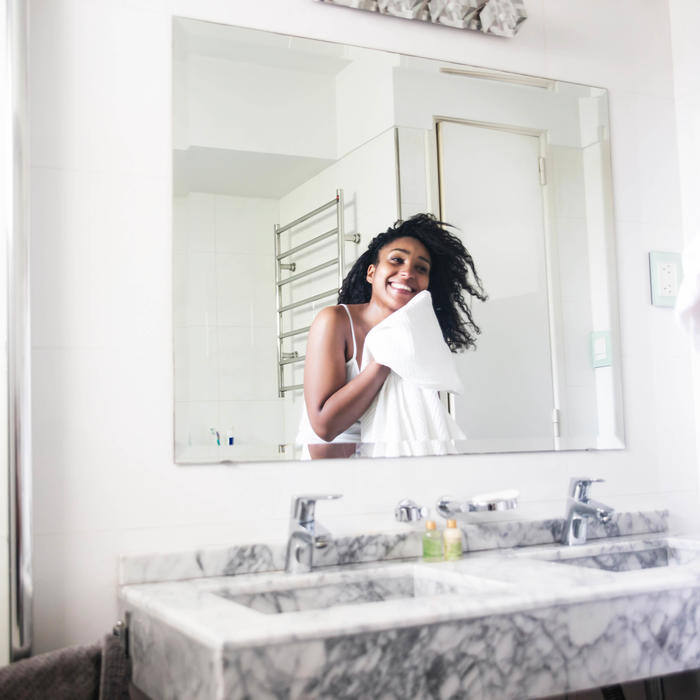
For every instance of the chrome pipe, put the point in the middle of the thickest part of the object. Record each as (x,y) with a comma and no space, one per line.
(308,300)
(293,360)
(306,273)
(340,218)
(292,387)
(297,331)
(278,314)
(18,335)
(307,244)
(308,215)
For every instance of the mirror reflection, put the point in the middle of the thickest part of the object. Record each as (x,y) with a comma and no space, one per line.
(291,155)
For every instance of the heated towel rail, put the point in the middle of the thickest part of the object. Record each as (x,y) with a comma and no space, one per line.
(283,264)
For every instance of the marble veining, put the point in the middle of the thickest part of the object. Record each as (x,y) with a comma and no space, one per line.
(213,561)
(515,656)
(504,624)
(520,616)
(524,533)
(477,536)
(626,555)
(380,587)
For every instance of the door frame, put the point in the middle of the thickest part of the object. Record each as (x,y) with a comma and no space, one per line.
(554,305)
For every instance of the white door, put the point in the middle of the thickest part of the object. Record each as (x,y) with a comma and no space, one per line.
(490,189)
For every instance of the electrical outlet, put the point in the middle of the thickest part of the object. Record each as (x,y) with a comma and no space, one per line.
(667,278)
(666,273)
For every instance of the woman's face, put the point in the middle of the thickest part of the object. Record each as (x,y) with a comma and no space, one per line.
(403,270)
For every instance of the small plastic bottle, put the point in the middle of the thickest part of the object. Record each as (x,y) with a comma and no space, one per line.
(432,542)
(453,541)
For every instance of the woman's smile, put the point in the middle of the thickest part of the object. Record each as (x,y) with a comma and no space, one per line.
(401,288)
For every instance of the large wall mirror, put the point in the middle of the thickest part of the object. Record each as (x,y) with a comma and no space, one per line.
(287,151)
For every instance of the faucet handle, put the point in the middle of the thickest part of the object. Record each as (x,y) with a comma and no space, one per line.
(579,485)
(304,507)
(408,511)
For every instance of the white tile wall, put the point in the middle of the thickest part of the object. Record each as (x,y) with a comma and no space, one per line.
(105,481)
(224,323)
(198,354)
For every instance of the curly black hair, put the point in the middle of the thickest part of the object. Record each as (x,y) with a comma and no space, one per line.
(451,265)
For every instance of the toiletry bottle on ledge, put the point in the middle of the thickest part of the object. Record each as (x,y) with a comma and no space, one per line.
(453,541)
(432,542)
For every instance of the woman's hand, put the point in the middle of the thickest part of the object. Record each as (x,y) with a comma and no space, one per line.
(332,404)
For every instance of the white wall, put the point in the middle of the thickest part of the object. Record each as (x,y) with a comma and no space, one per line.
(368,80)
(685,15)
(422,95)
(105,482)
(277,110)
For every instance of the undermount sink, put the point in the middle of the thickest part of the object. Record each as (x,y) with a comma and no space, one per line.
(317,592)
(629,557)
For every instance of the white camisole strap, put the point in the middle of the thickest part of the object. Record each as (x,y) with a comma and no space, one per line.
(352,331)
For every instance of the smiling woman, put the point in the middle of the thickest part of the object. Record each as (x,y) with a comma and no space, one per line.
(410,257)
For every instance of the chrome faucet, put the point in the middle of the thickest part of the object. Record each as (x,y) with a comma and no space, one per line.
(305,534)
(408,511)
(580,509)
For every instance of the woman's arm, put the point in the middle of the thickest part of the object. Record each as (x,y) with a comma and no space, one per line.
(333,405)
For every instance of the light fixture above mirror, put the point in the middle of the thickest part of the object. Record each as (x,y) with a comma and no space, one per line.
(498,17)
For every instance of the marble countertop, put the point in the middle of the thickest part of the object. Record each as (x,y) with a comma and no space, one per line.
(518,622)
(497,583)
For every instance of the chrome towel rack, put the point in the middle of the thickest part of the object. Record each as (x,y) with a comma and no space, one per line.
(283,264)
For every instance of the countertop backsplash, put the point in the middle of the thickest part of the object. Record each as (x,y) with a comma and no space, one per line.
(478,535)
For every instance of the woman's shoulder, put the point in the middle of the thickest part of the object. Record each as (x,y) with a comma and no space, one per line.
(338,314)
(331,318)
(330,313)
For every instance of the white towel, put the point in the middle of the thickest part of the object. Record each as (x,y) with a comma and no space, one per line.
(406,417)
(688,300)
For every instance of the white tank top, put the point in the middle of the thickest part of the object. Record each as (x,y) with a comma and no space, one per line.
(306,434)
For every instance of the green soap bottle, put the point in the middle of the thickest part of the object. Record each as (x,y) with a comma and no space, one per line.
(432,542)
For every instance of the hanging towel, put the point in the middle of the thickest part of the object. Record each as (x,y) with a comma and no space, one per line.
(406,417)
(96,672)
(688,300)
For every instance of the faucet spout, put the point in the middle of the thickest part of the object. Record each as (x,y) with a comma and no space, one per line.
(593,509)
(598,510)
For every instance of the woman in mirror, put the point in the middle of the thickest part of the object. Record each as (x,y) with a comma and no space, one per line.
(409,257)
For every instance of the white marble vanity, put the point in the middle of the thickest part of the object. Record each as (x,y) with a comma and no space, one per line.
(517,617)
